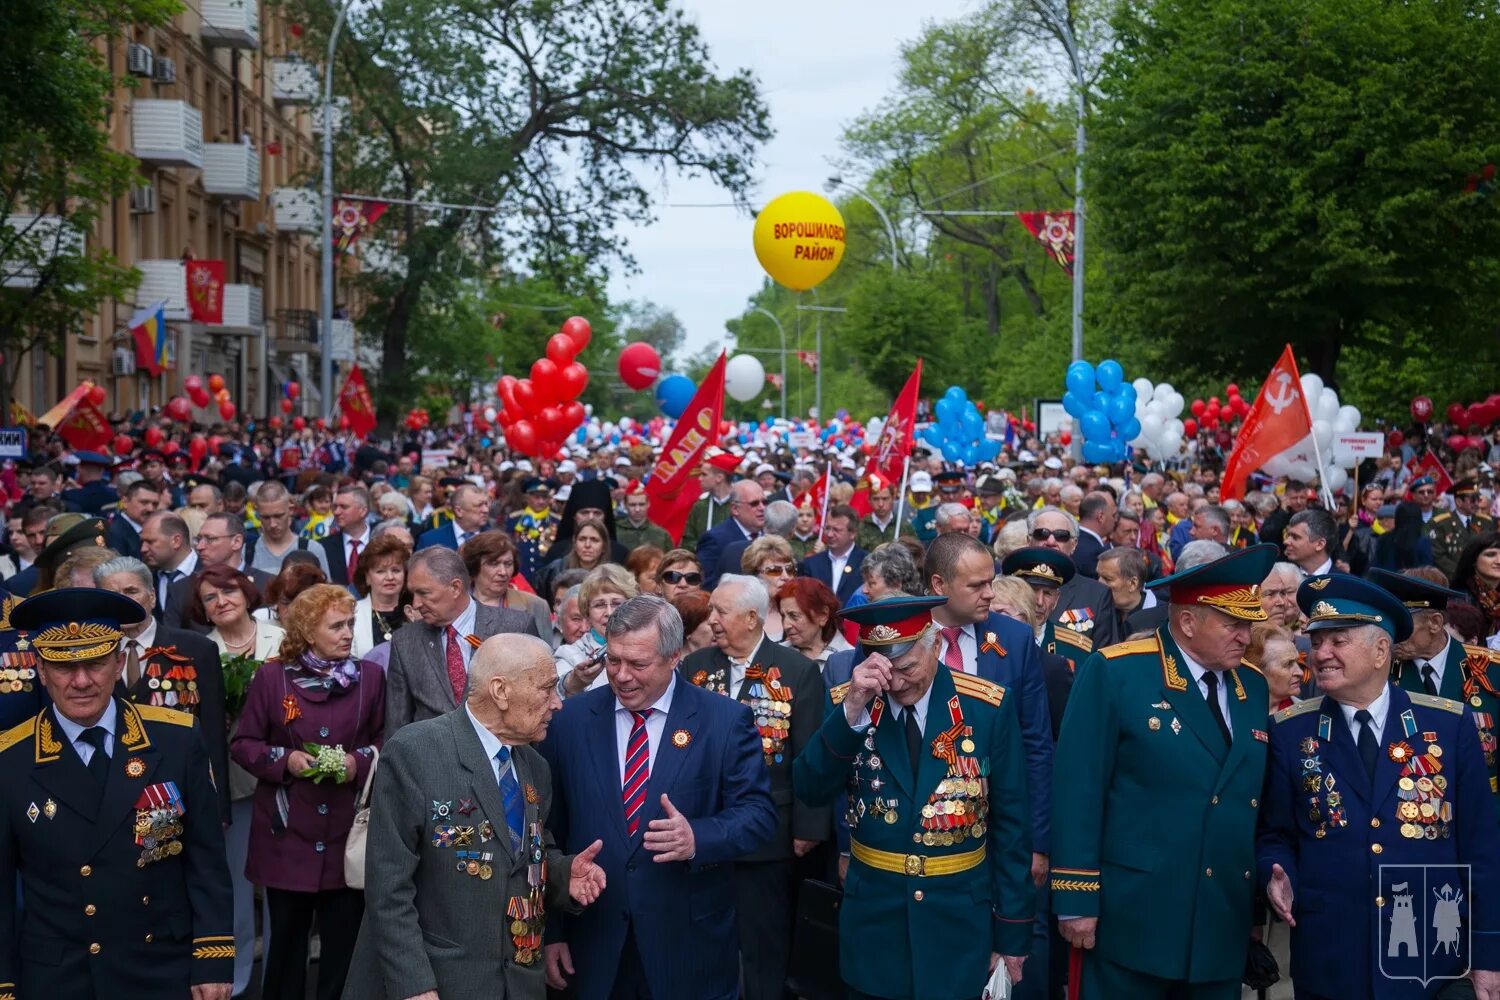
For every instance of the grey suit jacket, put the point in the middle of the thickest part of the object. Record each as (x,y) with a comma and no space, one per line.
(416,678)
(427,925)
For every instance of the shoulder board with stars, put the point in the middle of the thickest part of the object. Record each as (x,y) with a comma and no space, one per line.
(978,687)
(1432,701)
(1072,638)
(1250,666)
(156,713)
(17,734)
(1439,518)
(1301,708)
(838,693)
(1131,648)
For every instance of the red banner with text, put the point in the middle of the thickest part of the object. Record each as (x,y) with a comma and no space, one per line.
(673,487)
(205,291)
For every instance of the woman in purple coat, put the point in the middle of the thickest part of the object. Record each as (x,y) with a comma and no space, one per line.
(311,694)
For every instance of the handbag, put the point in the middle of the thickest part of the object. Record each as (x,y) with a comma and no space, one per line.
(354,846)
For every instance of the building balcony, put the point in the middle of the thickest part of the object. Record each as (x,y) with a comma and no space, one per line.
(295,332)
(340,116)
(233,24)
(30,244)
(163,281)
(232,170)
(293,81)
(296,210)
(166,133)
(244,311)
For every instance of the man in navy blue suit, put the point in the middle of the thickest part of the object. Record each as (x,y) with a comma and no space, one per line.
(471,515)
(671,778)
(838,564)
(746,520)
(136,504)
(972,639)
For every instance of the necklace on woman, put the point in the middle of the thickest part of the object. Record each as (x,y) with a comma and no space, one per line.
(236,646)
(385,626)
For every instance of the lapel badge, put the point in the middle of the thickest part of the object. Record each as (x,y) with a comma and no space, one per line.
(465,806)
(700,678)
(1261,735)
(1165,706)
(1153,723)
(1176,725)
(486,832)
(967,746)
(532,795)
(32,812)
(681,738)
(442,810)
(1308,746)
(1400,752)
(991,644)
(463,836)
(49,809)
(1430,737)
(135,767)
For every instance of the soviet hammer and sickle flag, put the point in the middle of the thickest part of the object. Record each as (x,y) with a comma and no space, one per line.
(356,404)
(1278,419)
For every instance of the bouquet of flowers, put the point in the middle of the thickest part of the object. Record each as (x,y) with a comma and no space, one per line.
(328,762)
(238,672)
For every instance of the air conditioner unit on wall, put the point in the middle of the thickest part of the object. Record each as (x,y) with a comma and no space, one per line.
(143,199)
(123,361)
(138,59)
(165,70)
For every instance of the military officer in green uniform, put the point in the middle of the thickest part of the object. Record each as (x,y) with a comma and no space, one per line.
(1159,767)
(108,815)
(716,475)
(933,766)
(1450,531)
(880,527)
(1046,570)
(1433,662)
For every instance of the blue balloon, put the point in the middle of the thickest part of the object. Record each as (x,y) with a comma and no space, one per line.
(944,409)
(1074,404)
(988,450)
(932,435)
(1110,375)
(952,452)
(1097,451)
(971,454)
(1128,391)
(956,392)
(1119,410)
(1095,426)
(1131,430)
(973,422)
(581,435)
(674,393)
(1080,377)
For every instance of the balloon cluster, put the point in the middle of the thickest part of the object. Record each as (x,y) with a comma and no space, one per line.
(417,419)
(1105,407)
(1328,418)
(1158,407)
(1475,415)
(202,394)
(958,431)
(1210,414)
(541,411)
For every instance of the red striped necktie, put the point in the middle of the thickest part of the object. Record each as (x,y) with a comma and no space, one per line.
(637,771)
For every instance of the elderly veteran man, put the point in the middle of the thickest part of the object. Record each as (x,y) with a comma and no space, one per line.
(108,814)
(1160,761)
(1046,571)
(461,869)
(1378,817)
(932,762)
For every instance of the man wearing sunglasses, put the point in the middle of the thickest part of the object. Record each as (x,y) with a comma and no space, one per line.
(746,521)
(1083,604)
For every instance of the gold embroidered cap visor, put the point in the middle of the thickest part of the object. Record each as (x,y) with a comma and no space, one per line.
(75,624)
(891,626)
(1337,600)
(1229,584)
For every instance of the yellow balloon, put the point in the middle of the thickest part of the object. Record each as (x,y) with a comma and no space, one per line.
(799,239)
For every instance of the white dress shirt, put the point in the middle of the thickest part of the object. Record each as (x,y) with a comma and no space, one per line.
(142,642)
(893,709)
(1377,709)
(166,578)
(656,727)
(1198,672)
(1439,663)
(464,625)
(489,741)
(840,563)
(73,731)
(968,646)
(738,668)
(350,556)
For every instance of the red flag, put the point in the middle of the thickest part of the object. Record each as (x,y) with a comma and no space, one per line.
(672,489)
(351,219)
(356,404)
(1055,232)
(86,429)
(889,458)
(205,290)
(1278,420)
(1428,465)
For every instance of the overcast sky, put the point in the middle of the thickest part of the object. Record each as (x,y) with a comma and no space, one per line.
(820,65)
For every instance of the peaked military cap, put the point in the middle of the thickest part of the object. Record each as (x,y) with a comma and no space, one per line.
(75,623)
(1230,584)
(1039,566)
(1414,592)
(892,625)
(1338,600)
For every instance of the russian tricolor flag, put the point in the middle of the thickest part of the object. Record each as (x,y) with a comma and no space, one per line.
(149,328)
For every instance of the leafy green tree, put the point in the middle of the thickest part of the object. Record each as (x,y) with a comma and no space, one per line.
(1270,171)
(55,101)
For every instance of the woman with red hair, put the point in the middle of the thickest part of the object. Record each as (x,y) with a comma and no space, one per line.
(809,613)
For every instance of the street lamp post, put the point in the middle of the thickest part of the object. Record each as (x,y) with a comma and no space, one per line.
(890,230)
(325,381)
(1070,42)
(768,314)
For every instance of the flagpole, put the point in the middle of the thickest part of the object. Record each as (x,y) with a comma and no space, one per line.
(901,503)
(1318,454)
(827,489)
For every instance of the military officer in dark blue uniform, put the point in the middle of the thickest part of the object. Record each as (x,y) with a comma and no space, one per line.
(108,814)
(1368,788)
(933,764)
(93,494)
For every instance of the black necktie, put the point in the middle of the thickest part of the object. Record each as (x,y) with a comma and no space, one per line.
(1211,678)
(913,737)
(98,764)
(1368,749)
(1428,680)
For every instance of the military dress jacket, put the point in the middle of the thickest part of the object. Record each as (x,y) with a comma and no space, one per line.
(1342,838)
(911,933)
(1470,676)
(127,891)
(1153,815)
(1448,536)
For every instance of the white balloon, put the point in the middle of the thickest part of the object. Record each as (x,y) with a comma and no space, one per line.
(1156,409)
(1161,390)
(1151,427)
(1175,426)
(1312,387)
(1349,417)
(1277,465)
(1328,406)
(744,377)
(1171,444)
(1323,433)
(1335,478)
(489,414)
(1175,403)
(1143,388)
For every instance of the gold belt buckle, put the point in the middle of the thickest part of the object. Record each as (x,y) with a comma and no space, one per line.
(916,864)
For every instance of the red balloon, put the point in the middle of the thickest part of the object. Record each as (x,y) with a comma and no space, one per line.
(154,436)
(192,383)
(1213,402)
(124,444)
(1474,416)
(561,349)
(201,398)
(179,409)
(197,447)
(506,390)
(1421,409)
(1455,414)
(343,423)
(571,382)
(549,423)
(1231,389)
(1198,407)
(544,379)
(299,423)
(1190,427)
(481,425)
(573,416)
(1065,438)
(97,395)
(320,424)
(293,390)
(226,410)
(286,405)
(528,400)
(170,448)
(1394,439)
(275,423)
(639,365)
(215,383)
(521,436)
(578,328)
(1457,442)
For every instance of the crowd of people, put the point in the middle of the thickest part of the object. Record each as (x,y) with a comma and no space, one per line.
(476,725)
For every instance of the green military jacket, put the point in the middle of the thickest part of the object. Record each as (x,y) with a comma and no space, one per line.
(803,547)
(1070,645)
(649,533)
(905,933)
(1466,678)
(1153,815)
(1449,536)
(706,513)
(871,535)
